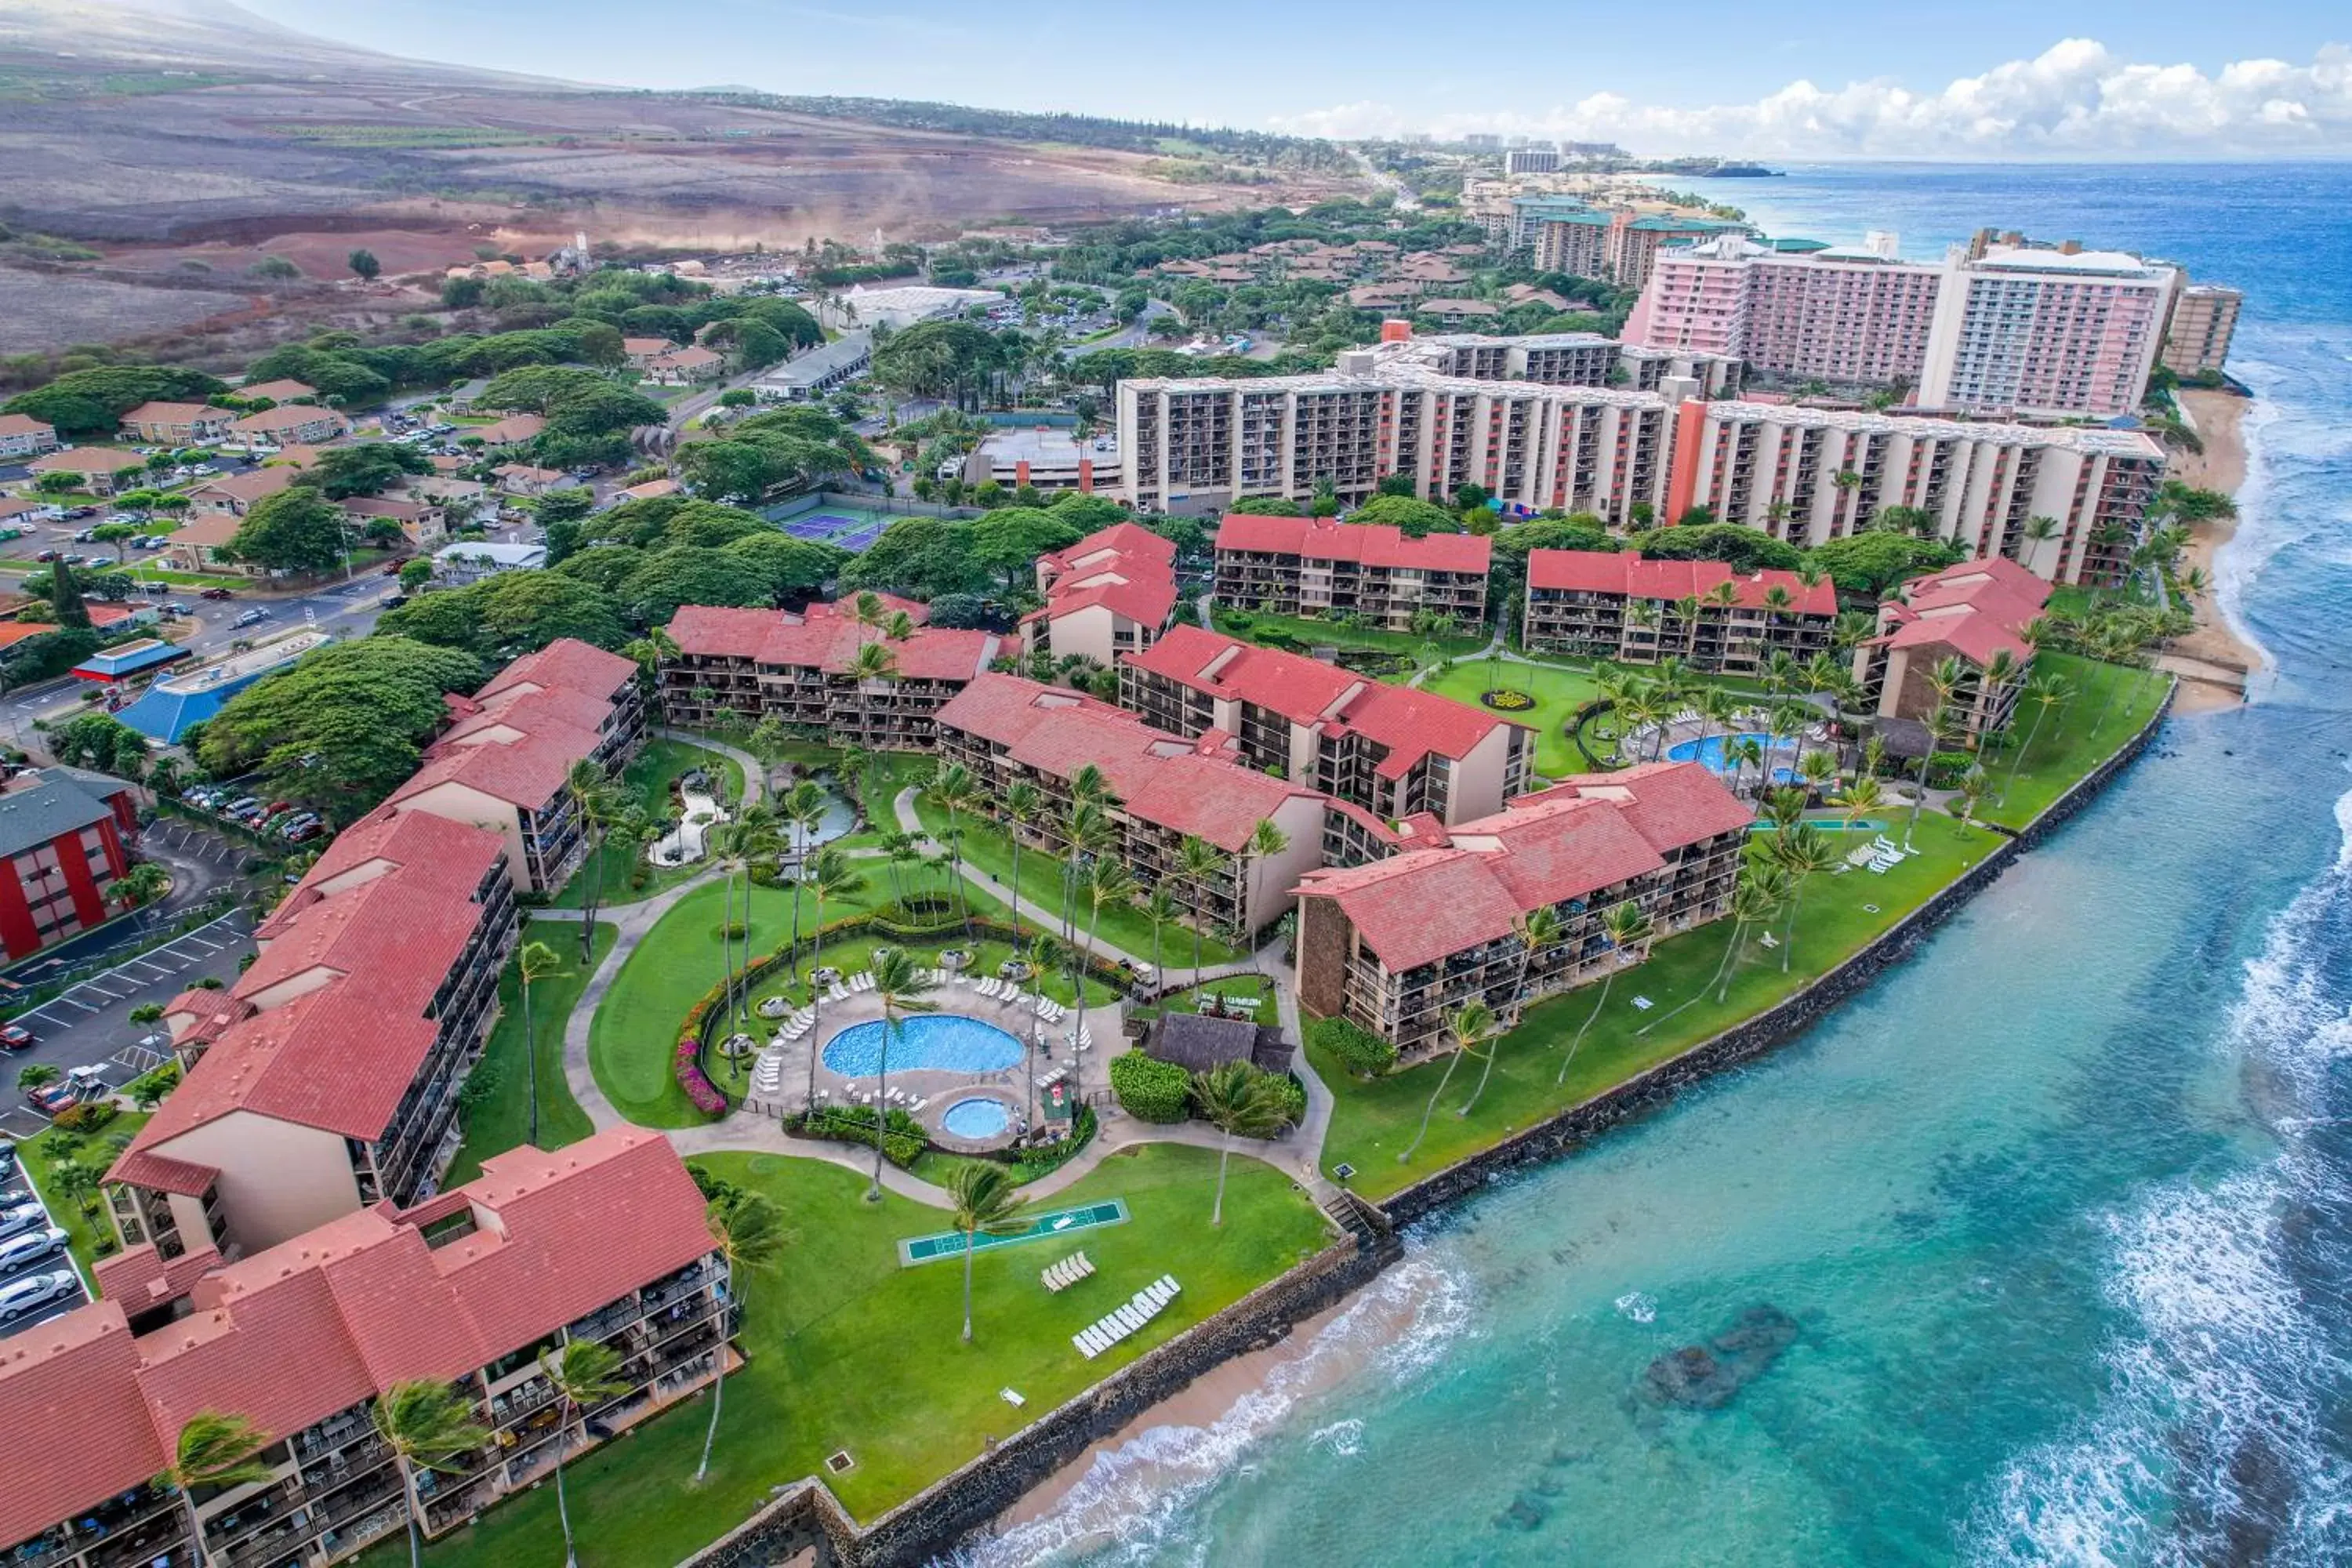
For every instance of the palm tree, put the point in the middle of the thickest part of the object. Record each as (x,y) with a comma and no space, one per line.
(1266,842)
(898,985)
(1739,754)
(1471,1023)
(803,808)
(426,1425)
(2045,692)
(957,792)
(1801,850)
(873,661)
(1818,769)
(1873,755)
(832,876)
(1851,628)
(1687,609)
(1089,832)
(1857,799)
(1626,926)
(536,963)
(984,1198)
(857,768)
(1024,802)
(1107,883)
(582,1373)
(1972,787)
(1161,910)
(746,1232)
(1538,930)
(590,788)
(215,1449)
(1197,861)
(1240,1101)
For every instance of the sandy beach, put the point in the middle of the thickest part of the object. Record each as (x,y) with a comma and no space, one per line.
(2212,659)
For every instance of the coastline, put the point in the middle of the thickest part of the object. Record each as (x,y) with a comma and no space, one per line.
(2213,661)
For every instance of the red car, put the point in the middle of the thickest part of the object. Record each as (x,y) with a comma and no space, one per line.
(16,1037)
(217,594)
(52,1098)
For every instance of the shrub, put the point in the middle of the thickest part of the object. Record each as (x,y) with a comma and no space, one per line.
(1149,1089)
(86,1118)
(1294,1098)
(1360,1050)
(687,1069)
(903,1140)
(1507,699)
(149,1089)
(1943,770)
(480,1084)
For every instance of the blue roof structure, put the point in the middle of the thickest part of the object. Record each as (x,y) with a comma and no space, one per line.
(165,715)
(128,659)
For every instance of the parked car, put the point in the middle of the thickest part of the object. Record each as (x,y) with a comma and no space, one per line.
(46,556)
(29,1249)
(177,609)
(217,594)
(52,1098)
(7,1156)
(36,1291)
(16,1037)
(18,1218)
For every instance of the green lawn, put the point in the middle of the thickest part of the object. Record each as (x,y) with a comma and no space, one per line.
(1372,1123)
(1558,692)
(1328,634)
(848,1350)
(41,1155)
(2110,703)
(627,876)
(987,847)
(500,1119)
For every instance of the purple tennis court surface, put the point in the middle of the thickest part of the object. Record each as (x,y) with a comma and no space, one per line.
(833,528)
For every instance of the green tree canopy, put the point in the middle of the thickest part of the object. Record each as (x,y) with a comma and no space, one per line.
(335,374)
(1873,562)
(85,402)
(1744,549)
(794,567)
(1410,515)
(690,575)
(510,613)
(296,529)
(921,558)
(343,726)
(1009,540)
(364,471)
(100,741)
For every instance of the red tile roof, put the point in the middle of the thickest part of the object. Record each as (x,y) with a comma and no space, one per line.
(1371,544)
(825,639)
(1127,570)
(1156,777)
(1979,609)
(1601,572)
(301,1330)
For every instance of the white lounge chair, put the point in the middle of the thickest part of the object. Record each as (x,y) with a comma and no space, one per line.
(1084,1346)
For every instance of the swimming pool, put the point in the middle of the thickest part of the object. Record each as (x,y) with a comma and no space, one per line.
(1710,750)
(942,1042)
(977,1119)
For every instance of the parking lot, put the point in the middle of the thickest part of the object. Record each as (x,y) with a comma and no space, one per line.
(19,1276)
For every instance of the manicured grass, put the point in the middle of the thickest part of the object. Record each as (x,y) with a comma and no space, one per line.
(40,1156)
(1372,1123)
(500,1119)
(1124,926)
(2110,703)
(847,1351)
(628,877)
(1316,632)
(1558,692)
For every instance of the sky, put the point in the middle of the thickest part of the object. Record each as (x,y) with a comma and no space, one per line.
(1988,79)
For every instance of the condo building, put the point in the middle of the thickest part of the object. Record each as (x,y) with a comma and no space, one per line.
(1597,605)
(1392,749)
(2069,503)
(505,763)
(2204,319)
(325,1079)
(1973,622)
(1555,359)
(1109,593)
(821,672)
(66,836)
(602,1241)
(1399,944)
(1848,317)
(1164,788)
(1316,566)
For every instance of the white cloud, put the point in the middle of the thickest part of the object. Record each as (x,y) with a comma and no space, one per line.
(2075,99)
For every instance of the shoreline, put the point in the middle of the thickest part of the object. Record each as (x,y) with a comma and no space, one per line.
(2204,659)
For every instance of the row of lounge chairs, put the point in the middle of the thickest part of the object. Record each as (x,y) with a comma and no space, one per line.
(1119,1322)
(1059,1277)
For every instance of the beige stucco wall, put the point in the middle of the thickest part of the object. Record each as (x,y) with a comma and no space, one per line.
(277,1179)
(458,803)
(1479,778)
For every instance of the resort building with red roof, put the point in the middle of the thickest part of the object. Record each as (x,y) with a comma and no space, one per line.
(1319,566)
(1392,749)
(1163,790)
(1593,603)
(1398,943)
(1978,616)
(820,671)
(504,763)
(1109,593)
(604,1241)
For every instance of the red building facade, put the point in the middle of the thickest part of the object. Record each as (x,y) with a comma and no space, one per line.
(65,838)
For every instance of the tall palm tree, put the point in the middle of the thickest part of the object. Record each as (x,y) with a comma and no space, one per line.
(1873,755)
(2045,692)
(1801,850)
(1107,883)
(858,771)
(1740,753)
(802,807)
(831,876)
(1266,842)
(1627,926)
(1024,803)
(983,1196)
(582,1373)
(957,792)
(1686,611)
(427,1425)
(1471,1023)
(536,963)
(1818,769)
(899,987)
(1197,860)
(748,1232)
(1045,954)
(1161,910)
(592,796)
(215,1449)
(1857,799)
(750,838)
(1240,1101)
(873,661)
(1538,930)
(1754,902)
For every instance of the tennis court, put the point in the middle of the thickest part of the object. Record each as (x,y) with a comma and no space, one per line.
(847,528)
(1044,1228)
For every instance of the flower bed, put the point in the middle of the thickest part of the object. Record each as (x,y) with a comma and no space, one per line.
(1507,699)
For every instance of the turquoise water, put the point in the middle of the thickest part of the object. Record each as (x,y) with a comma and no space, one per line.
(942,1042)
(2059,1211)
(1052,1225)
(1711,749)
(976,1119)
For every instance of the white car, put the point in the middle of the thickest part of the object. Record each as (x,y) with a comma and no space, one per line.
(26,1250)
(20,1217)
(30,1295)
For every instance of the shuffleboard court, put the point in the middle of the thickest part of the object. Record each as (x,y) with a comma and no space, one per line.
(1047,1227)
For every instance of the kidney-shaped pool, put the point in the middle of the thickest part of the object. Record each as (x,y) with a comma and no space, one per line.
(937,1042)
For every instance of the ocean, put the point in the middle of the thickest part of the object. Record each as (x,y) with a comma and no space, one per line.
(2038,1252)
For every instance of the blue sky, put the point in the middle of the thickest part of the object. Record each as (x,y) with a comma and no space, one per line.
(2031,78)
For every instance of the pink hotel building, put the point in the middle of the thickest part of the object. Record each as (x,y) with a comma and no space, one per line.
(2013,329)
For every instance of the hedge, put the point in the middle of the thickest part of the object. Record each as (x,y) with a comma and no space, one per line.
(1150,1089)
(855,1124)
(1360,1050)
(1294,1098)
